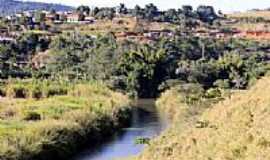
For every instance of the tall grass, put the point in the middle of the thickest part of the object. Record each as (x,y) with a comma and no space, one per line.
(34,88)
(54,127)
(236,128)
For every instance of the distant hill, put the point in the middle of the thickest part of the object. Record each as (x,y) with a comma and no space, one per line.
(12,6)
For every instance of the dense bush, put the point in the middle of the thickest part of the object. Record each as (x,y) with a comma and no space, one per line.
(185,16)
(139,68)
(16,57)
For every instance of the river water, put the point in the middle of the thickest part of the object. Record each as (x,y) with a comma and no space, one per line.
(146,123)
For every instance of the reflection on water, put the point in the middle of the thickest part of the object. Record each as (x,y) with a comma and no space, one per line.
(146,122)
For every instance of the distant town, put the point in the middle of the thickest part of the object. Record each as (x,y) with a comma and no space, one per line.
(133,23)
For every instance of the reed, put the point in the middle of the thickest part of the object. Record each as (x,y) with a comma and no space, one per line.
(54,127)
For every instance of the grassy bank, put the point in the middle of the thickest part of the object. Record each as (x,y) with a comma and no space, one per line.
(56,126)
(235,128)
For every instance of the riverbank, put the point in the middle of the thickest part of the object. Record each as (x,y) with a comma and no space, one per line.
(235,128)
(146,123)
(57,126)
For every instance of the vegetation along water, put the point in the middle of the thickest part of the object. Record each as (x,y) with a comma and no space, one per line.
(69,77)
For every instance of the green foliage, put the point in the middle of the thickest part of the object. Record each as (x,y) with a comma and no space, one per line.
(142,140)
(192,93)
(138,68)
(32,116)
(40,17)
(76,56)
(184,16)
(213,93)
(15,57)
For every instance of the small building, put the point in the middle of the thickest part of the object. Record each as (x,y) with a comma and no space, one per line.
(259,34)
(3,31)
(6,39)
(50,17)
(201,33)
(73,18)
(89,19)
(155,34)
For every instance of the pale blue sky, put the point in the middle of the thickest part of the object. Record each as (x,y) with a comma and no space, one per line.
(224,5)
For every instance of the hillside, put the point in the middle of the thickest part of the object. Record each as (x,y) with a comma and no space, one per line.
(12,6)
(251,20)
(236,128)
(254,14)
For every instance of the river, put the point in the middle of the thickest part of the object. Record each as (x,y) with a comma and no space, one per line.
(146,123)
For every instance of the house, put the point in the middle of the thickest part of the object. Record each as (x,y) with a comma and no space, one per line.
(29,13)
(6,39)
(3,31)
(201,33)
(19,15)
(50,17)
(230,21)
(155,34)
(217,33)
(73,18)
(128,36)
(260,34)
(89,19)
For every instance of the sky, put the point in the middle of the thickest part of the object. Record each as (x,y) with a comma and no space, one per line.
(224,5)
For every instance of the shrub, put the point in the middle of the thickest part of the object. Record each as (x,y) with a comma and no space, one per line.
(32,116)
(35,91)
(213,93)
(142,140)
(16,91)
(54,89)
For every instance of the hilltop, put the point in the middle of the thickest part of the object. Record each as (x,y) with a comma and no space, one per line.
(12,6)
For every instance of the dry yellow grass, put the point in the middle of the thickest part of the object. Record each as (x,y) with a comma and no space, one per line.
(104,26)
(253,14)
(236,128)
(123,24)
(252,26)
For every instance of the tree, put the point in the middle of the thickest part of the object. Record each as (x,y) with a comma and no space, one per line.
(187,10)
(207,13)
(95,11)
(137,12)
(122,9)
(151,11)
(52,11)
(171,16)
(39,16)
(83,10)
(81,17)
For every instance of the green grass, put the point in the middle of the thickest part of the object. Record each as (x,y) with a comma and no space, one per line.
(56,126)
